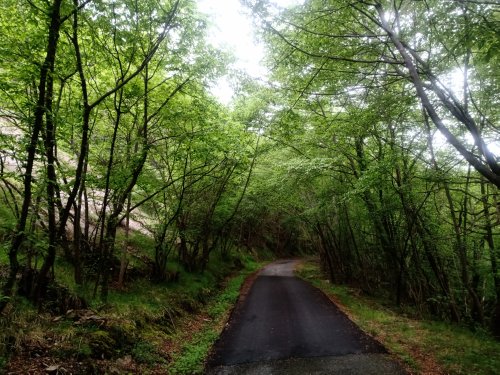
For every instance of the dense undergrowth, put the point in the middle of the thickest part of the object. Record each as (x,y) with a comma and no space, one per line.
(145,326)
(424,345)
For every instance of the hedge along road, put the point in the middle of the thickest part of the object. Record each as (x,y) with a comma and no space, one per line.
(286,326)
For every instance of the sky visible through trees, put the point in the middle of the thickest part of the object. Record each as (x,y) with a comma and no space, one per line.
(231,27)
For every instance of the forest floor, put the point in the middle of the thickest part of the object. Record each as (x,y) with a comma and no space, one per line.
(145,328)
(424,345)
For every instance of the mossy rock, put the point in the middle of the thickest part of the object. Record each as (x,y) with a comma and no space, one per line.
(102,344)
(124,332)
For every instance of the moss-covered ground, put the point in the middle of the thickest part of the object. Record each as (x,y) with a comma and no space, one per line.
(144,327)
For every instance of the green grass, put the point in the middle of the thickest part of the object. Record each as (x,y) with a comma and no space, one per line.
(136,240)
(139,318)
(146,352)
(191,357)
(4,256)
(7,219)
(417,343)
(191,360)
(460,350)
(7,225)
(22,324)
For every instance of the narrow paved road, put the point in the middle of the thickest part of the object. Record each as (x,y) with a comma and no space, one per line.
(286,326)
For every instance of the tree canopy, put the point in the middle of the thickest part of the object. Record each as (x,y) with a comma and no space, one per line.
(373,144)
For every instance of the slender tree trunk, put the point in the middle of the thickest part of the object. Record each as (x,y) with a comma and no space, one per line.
(77,240)
(46,69)
(113,220)
(326,252)
(380,225)
(84,143)
(460,246)
(124,256)
(49,143)
(354,242)
(204,238)
(494,258)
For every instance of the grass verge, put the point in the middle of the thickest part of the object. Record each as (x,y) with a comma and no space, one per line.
(199,334)
(424,346)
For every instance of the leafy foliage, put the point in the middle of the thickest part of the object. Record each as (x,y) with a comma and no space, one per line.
(119,172)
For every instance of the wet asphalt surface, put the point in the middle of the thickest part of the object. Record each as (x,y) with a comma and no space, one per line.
(286,326)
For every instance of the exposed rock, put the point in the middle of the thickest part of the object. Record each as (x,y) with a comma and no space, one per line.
(125,362)
(52,369)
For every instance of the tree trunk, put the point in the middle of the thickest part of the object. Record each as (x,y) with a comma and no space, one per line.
(46,69)
(49,143)
(494,257)
(124,256)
